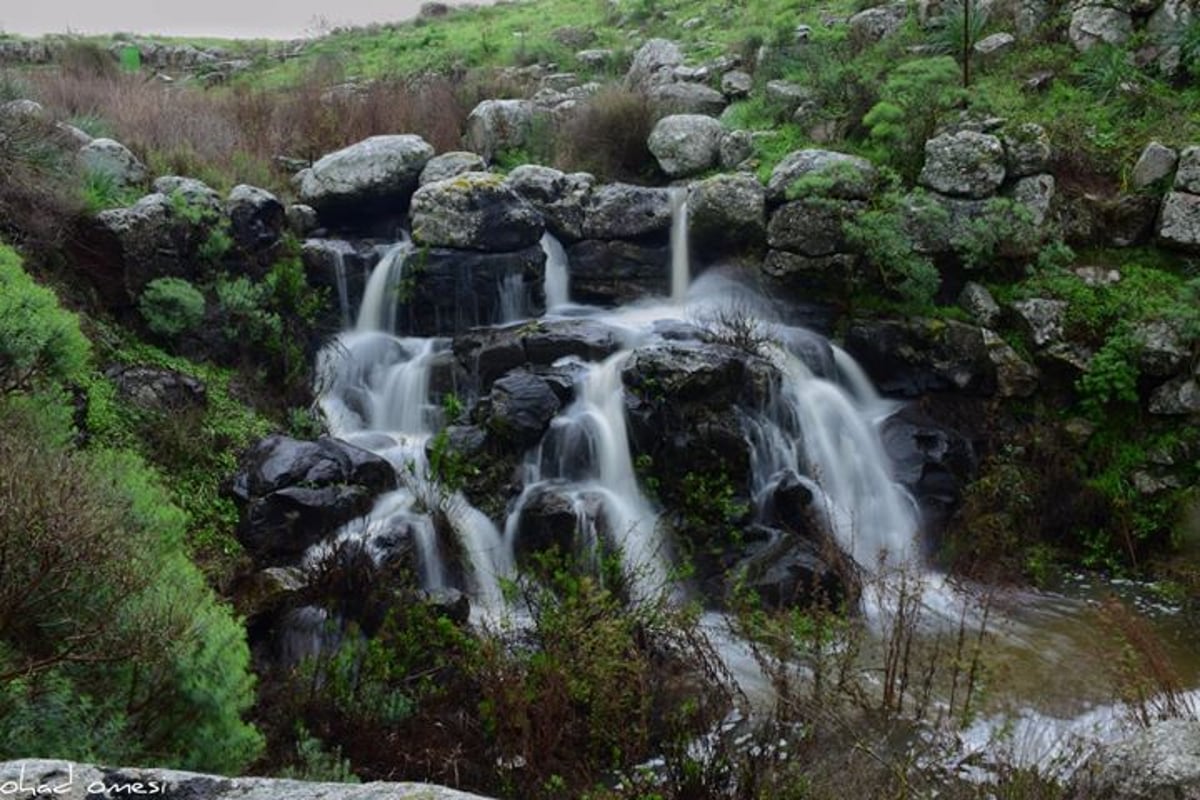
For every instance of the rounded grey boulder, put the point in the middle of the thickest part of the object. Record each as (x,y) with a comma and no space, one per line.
(381,169)
(686,144)
(964,164)
(474,211)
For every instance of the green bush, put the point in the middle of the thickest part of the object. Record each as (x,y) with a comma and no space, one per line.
(39,341)
(912,100)
(171,307)
(109,636)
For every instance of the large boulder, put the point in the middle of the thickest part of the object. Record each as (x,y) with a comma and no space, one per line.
(518,409)
(372,177)
(256,217)
(1179,221)
(1095,23)
(811,227)
(1161,762)
(474,211)
(785,570)
(448,165)
(114,160)
(293,494)
(623,211)
(494,126)
(558,196)
(964,164)
(687,98)
(74,781)
(1169,17)
(826,173)
(1176,397)
(686,144)
(453,290)
(684,401)
(911,357)
(196,194)
(932,461)
(654,63)
(150,239)
(611,273)
(727,211)
(1041,319)
(736,84)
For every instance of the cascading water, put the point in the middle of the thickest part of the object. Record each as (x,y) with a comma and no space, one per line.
(379,303)
(340,250)
(681,267)
(557,281)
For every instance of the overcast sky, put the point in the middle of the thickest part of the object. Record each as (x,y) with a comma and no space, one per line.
(280,19)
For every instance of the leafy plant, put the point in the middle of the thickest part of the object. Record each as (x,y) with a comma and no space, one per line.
(961,28)
(916,94)
(1107,71)
(171,307)
(1112,373)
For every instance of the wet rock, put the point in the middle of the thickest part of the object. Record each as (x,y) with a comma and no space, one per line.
(292,494)
(156,389)
(448,165)
(455,290)
(686,144)
(933,462)
(558,196)
(964,164)
(494,126)
(611,273)
(1179,221)
(727,211)
(623,211)
(256,217)
(790,571)
(1027,150)
(488,354)
(547,522)
(830,174)
(518,409)
(1156,163)
(301,219)
(474,211)
(376,175)
(808,276)
(111,158)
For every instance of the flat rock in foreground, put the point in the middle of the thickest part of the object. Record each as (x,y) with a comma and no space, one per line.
(72,781)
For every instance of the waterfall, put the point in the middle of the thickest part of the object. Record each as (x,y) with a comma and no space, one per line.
(513,305)
(380,298)
(339,271)
(557,281)
(681,271)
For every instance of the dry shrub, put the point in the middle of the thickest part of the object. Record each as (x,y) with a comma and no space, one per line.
(39,195)
(1141,669)
(230,135)
(607,136)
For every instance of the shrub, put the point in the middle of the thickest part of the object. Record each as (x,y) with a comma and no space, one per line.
(608,136)
(171,307)
(99,605)
(39,341)
(913,98)
(1106,71)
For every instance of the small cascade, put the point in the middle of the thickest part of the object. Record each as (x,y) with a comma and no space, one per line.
(557,280)
(340,250)
(382,294)
(513,300)
(681,267)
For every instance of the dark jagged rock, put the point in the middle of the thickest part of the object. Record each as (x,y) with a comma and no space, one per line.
(256,217)
(812,228)
(685,402)
(609,273)
(622,211)
(451,291)
(789,571)
(558,196)
(156,389)
(518,409)
(908,358)
(292,493)
(487,354)
(933,462)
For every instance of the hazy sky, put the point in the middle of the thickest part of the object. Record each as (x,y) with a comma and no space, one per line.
(281,19)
